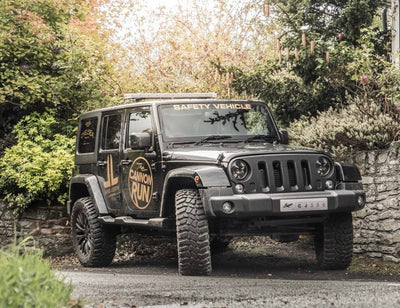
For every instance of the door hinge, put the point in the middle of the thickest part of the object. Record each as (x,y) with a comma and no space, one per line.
(157,165)
(126,162)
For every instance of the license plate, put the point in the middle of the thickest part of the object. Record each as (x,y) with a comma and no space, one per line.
(296,205)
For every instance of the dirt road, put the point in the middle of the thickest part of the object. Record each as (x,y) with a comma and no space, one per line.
(282,275)
(165,288)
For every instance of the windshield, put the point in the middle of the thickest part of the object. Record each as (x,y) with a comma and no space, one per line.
(238,120)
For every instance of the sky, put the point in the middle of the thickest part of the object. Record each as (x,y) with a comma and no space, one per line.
(168,3)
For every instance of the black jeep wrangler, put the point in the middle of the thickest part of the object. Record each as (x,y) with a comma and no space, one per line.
(205,170)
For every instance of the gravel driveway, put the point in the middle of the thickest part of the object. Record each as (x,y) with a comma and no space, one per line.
(255,272)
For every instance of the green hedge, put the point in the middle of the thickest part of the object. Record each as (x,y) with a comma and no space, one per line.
(344,131)
(39,166)
(369,121)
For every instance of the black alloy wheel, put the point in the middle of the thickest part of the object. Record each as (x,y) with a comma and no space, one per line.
(94,243)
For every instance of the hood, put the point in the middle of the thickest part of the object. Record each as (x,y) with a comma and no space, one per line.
(225,152)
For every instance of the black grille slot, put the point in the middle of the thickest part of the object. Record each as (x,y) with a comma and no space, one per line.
(292,175)
(276,165)
(306,174)
(262,169)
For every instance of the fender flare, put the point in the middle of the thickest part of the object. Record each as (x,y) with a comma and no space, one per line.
(347,173)
(199,176)
(94,190)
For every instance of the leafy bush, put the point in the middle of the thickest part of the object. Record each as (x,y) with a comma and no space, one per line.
(26,280)
(39,166)
(370,121)
(53,55)
(346,130)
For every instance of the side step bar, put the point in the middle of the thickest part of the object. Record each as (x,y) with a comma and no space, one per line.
(155,223)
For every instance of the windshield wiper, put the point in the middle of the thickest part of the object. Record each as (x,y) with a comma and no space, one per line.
(212,137)
(181,143)
(261,138)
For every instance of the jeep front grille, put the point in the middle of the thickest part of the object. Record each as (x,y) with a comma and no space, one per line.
(283,173)
(286,175)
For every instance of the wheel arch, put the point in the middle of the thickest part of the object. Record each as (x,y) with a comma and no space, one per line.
(197,177)
(87,185)
(170,188)
(347,173)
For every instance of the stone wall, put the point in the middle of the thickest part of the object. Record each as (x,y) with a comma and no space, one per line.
(377,226)
(48,225)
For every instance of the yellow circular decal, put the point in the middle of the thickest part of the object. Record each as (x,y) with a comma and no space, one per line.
(140,183)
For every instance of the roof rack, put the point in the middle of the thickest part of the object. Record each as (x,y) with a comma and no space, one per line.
(142,96)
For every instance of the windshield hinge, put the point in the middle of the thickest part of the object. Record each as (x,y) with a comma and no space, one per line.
(220,158)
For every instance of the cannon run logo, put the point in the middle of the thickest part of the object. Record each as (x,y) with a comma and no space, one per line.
(140,183)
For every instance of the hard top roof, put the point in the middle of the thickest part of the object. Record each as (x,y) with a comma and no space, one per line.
(159,101)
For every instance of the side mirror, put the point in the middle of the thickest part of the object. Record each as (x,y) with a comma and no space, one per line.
(284,136)
(140,141)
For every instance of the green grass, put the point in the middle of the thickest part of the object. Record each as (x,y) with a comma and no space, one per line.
(26,279)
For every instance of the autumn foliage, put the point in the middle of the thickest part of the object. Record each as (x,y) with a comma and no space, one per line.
(53,65)
(176,50)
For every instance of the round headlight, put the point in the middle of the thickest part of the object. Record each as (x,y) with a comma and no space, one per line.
(240,169)
(324,166)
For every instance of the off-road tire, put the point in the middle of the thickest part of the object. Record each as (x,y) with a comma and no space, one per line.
(94,243)
(334,244)
(193,240)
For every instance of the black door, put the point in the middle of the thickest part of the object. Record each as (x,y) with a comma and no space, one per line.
(108,160)
(139,179)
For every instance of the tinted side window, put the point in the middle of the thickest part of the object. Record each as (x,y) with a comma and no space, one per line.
(111,132)
(87,135)
(139,122)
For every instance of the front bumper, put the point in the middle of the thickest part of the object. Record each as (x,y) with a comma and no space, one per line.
(260,204)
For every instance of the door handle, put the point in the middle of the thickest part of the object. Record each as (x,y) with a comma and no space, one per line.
(101,163)
(126,162)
